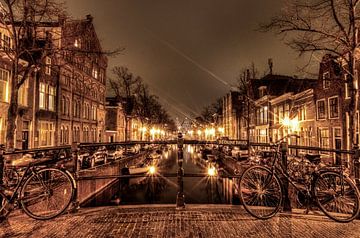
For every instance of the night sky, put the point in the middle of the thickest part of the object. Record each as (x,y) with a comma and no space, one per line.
(188,52)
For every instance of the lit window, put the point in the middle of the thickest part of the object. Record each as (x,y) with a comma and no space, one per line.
(47,133)
(95,73)
(4,85)
(42,96)
(52,94)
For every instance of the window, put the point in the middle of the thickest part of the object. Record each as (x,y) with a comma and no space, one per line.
(6,42)
(23,93)
(281,113)
(52,94)
(320,109)
(287,111)
(4,85)
(77,43)
(324,137)
(95,72)
(47,65)
(356,80)
(47,132)
(302,113)
(2,130)
(333,107)
(326,80)
(42,96)
(276,119)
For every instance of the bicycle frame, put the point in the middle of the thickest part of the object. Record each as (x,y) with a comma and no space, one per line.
(278,169)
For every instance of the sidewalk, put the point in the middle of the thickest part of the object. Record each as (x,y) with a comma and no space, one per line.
(166,221)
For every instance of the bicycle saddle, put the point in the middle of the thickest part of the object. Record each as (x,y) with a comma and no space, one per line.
(313,158)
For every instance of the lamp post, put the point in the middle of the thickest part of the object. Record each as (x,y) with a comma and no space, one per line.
(180,198)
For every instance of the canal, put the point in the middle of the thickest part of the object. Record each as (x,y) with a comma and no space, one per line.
(163,190)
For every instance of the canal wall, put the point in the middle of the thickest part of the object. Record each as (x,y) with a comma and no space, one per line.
(89,187)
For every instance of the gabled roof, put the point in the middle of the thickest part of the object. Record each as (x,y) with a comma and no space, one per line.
(277,85)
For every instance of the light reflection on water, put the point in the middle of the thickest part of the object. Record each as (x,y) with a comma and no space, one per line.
(161,190)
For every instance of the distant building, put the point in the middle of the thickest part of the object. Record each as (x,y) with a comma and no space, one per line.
(114,120)
(231,115)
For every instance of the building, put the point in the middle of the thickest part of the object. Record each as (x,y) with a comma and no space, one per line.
(276,99)
(63,101)
(231,115)
(114,120)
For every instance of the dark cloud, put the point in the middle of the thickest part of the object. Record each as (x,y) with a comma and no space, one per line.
(186,50)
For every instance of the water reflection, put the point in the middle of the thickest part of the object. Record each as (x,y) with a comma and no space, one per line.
(161,190)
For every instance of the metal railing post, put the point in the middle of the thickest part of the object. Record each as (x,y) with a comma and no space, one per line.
(284,151)
(75,154)
(356,163)
(180,199)
(2,164)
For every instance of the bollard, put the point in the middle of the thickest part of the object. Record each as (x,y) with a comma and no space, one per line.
(75,154)
(356,163)
(180,199)
(285,182)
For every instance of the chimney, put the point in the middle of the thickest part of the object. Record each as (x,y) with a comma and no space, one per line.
(89,18)
(61,19)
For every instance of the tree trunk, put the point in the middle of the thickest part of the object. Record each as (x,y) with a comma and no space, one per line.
(12,115)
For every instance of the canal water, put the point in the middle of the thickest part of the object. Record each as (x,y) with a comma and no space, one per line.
(161,190)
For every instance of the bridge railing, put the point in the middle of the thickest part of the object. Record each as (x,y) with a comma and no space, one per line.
(72,153)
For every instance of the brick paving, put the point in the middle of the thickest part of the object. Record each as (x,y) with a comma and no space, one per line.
(166,221)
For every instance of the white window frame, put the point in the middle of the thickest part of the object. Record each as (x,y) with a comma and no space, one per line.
(326,80)
(42,95)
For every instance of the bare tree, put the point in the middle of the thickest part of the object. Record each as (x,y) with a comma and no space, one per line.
(324,26)
(21,18)
(126,87)
(247,95)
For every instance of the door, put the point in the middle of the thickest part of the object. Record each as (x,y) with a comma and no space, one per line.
(25,140)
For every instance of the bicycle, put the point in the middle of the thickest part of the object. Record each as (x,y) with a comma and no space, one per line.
(42,192)
(261,190)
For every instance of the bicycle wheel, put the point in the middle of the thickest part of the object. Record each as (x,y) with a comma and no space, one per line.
(337,198)
(5,207)
(47,193)
(260,192)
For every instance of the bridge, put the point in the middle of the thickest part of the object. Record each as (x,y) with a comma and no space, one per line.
(171,180)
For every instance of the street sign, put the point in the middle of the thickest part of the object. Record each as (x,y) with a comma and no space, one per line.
(242,143)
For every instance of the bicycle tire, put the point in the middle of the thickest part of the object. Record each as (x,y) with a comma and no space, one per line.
(338,205)
(5,207)
(260,192)
(47,193)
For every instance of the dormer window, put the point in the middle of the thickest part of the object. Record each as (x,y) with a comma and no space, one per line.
(262,91)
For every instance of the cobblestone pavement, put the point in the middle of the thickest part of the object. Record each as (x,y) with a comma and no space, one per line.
(166,221)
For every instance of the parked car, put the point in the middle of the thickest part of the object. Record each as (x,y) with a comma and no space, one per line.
(238,153)
(117,154)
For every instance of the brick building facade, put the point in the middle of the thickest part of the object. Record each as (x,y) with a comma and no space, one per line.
(63,101)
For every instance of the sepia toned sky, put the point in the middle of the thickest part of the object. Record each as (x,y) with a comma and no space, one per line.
(189,52)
